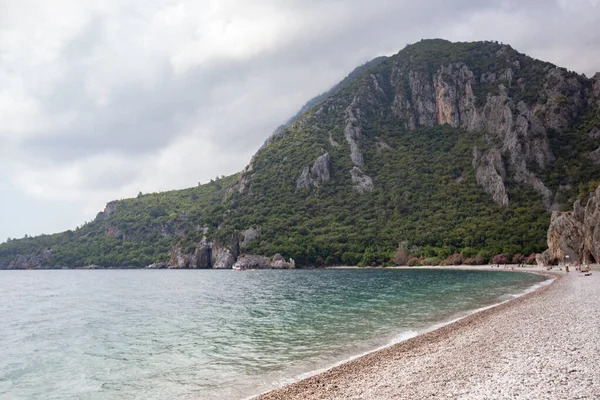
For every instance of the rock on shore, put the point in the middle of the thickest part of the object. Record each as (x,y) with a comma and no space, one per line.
(575,234)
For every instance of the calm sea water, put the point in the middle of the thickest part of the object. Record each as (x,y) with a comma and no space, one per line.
(190,334)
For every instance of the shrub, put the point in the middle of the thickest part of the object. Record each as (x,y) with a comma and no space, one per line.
(499,259)
(454,259)
(431,261)
(477,260)
(400,257)
(415,261)
(518,259)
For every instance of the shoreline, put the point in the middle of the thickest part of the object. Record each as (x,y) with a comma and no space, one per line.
(406,336)
(328,383)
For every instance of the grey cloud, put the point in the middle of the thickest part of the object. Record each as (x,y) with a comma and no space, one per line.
(141,120)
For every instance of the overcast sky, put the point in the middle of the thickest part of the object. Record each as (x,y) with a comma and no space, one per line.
(102,99)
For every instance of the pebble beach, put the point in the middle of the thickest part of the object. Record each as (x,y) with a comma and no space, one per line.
(542,345)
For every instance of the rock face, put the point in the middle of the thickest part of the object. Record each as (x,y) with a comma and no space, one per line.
(33,261)
(212,254)
(448,98)
(205,254)
(160,265)
(199,256)
(577,233)
(249,235)
(362,182)
(261,262)
(353,133)
(108,210)
(596,88)
(224,260)
(490,173)
(317,174)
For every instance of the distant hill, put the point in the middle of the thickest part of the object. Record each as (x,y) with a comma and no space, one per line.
(444,150)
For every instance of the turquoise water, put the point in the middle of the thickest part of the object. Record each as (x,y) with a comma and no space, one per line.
(190,334)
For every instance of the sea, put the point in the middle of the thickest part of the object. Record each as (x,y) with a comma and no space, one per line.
(216,334)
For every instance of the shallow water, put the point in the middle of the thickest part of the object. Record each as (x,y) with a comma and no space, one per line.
(203,334)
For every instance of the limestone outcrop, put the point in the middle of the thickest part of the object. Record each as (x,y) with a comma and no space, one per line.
(320,172)
(353,133)
(490,174)
(249,235)
(205,254)
(31,261)
(596,88)
(196,257)
(448,97)
(362,182)
(251,261)
(213,254)
(576,233)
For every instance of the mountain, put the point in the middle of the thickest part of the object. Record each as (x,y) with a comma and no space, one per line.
(318,99)
(444,152)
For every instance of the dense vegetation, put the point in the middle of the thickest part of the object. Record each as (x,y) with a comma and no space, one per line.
(426,206)
(139,231)
(425,197)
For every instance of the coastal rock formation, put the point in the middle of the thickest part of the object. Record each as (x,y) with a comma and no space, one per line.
(199,256)
(205,254)
(577,233)
(32,261)
(565,237)
(160,265)
(251,261)
(209,254)
(223,259)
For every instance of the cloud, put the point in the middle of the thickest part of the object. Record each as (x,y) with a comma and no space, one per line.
(100,100)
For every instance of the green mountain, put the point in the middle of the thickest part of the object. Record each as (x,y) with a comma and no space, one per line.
(440,150)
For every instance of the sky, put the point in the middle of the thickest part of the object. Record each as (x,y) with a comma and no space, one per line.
(100,100)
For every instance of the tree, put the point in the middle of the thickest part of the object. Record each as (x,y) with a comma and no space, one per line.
(518,259)
(499,259)
(400,257)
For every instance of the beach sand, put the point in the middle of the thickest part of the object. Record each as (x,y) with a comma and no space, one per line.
(543,345)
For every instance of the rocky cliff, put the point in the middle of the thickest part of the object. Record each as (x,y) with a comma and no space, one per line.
(575,236)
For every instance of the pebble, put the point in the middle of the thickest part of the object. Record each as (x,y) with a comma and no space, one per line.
(544,345)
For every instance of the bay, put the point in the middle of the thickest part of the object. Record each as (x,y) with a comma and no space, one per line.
(208,334)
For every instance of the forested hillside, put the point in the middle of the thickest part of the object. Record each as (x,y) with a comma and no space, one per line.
(450,152)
